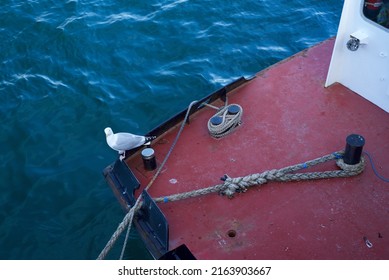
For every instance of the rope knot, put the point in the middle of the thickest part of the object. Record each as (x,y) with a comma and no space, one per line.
(240,184)
(231,186)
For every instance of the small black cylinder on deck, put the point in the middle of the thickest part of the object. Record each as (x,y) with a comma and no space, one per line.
(149,161)
(353,150)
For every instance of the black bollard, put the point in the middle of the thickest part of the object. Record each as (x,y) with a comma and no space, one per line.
(353,150)
(149,161)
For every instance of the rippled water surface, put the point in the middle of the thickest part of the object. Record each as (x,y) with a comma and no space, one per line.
(71,68)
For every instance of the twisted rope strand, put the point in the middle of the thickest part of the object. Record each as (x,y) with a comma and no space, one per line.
(240,184)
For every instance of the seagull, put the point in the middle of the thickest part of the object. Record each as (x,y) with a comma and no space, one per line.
(124,141)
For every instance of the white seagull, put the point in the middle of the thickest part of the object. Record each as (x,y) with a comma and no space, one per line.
(124,141)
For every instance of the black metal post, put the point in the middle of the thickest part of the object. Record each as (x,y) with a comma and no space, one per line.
(149,161)
(353,150)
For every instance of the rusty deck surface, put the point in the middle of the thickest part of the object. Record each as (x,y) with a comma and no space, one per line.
(289,118)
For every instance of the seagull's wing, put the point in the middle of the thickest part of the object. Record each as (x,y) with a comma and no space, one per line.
(125,141)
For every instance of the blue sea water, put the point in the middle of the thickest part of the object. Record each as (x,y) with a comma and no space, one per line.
(71,68)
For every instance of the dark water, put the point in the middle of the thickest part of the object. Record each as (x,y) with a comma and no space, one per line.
(71,68)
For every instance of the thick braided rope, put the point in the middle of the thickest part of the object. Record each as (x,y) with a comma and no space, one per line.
(240,184)
(127,220)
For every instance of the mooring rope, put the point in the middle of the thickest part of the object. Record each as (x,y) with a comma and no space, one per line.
(240,184)
(128,218)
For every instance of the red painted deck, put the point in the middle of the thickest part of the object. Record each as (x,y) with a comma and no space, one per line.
(289,118)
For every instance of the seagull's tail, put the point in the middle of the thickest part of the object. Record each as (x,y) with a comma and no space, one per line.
(149,138)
